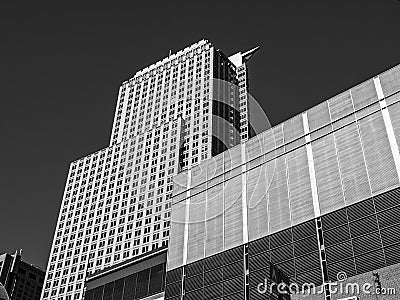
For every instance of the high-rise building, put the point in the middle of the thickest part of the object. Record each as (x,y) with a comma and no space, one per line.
(240,60)
(21,280)
(116,205)
(317,195)
(312,202)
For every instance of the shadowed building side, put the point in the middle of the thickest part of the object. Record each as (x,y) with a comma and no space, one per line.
(21,280)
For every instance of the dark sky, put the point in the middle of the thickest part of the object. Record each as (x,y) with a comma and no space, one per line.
(61,66)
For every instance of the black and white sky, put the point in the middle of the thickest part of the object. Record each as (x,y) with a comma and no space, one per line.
(61,65)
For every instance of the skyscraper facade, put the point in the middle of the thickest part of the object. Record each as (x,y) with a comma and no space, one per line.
(117,201)
(317,195)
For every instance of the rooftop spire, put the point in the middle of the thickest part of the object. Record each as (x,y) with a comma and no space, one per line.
(248,54)
(240,58)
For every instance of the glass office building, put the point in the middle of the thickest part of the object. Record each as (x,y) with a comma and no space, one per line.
(316,195)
